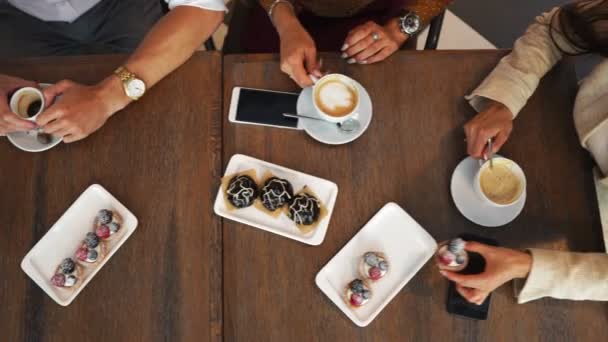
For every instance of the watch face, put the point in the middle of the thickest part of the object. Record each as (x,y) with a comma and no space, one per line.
(136,88)
(410,24)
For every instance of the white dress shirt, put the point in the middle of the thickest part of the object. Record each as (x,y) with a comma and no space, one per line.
(70,10)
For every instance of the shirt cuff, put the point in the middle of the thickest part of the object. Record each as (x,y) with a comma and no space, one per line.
(212,5)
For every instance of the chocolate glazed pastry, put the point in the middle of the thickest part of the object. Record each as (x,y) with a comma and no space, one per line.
(304,209)
(242,191)
(276,193)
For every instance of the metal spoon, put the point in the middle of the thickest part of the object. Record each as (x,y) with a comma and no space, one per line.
(490,152)
(347,125)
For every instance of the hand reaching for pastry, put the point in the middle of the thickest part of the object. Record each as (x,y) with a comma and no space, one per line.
(496,122)
(9,121)
(370,43)
(502,265)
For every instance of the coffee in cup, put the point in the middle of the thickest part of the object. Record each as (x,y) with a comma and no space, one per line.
(27,102)
(335,97)
(501,183)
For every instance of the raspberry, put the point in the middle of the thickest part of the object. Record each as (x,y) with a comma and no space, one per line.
(82,253)
(91,240)
(103,232)
(104,216)
(356,299)
(445,259)
(375,273)
(58,279)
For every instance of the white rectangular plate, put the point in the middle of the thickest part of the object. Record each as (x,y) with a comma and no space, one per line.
(325,190)
(65,236)
(406,245)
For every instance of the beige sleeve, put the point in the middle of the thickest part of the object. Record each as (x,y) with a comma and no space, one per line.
(517,75)
(565,275)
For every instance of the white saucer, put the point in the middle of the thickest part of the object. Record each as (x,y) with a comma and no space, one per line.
(474,208)
(329,133)
(28,142)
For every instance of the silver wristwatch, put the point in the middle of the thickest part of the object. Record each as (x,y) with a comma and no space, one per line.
(409,23)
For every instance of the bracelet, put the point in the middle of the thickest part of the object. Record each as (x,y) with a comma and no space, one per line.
(275,3)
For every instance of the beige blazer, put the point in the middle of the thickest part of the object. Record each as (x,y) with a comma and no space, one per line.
(565,275)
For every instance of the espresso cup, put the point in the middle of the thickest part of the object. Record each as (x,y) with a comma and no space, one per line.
(501,184)
(28,103)
(335,97)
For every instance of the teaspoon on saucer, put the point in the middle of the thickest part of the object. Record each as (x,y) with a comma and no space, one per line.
(348,125)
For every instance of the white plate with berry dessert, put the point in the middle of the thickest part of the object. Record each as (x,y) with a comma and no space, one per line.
(78,245)
(302,204)
(371,269)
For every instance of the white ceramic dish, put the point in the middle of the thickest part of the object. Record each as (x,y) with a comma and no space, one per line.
(325,190)
(472,206)
(406,245)
(329,133)
(65,236)
(28,142)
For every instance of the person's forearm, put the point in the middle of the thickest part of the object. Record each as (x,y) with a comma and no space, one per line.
(427,9)
(168,45)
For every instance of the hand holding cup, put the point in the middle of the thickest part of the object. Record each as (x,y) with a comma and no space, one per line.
(9,121)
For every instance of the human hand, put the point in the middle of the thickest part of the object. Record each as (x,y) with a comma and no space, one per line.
(299,56)
(496,122)
(9,121)
(82,109)
(502,265)
(361,47)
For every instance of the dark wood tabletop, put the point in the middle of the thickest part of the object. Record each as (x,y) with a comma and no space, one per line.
(159,157)
(407,156)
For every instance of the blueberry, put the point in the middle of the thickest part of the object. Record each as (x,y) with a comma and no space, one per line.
(383,265)
(357,286)
(92,255)
(460,259)
(371,258)
(67,266)
(456,246)
(70,281)
(114,227)
(104,216)
(366,294)
(91,240)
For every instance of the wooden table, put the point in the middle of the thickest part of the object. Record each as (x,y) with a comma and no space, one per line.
(408,154)
(160,158)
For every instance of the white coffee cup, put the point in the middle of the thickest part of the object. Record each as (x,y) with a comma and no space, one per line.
(331,95)
(504,186)
(24,103)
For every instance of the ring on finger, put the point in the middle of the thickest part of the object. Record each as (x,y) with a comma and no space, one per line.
(375,36)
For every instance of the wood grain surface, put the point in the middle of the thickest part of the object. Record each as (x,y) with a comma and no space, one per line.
(408,155)
(159,157)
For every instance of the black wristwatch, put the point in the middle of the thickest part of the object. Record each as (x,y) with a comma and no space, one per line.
(409,23)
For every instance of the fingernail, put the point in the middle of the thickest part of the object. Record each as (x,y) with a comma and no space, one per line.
(343,55)
(442,272)
(351,61)
(363,62)
(344,47)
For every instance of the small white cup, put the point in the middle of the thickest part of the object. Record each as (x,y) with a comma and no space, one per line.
(516,169)
(23,98)
(343,79)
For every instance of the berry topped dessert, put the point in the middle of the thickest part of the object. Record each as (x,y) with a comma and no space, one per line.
(451,255)
(304,209)
(276,193)
(373,266)
(242,191)
(91,250)
(67,274)
(357,293)
(107,224)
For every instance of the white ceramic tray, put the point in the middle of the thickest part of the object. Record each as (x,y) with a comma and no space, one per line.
(407,247)
(325,190)
(65,236)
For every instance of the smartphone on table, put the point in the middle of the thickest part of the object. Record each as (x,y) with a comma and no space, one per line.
(458,305)
(263,107)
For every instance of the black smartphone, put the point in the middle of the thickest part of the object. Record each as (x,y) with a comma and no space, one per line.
(458,305)
(263,107)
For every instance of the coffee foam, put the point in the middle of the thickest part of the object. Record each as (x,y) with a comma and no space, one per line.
(335,96)
(500,184)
